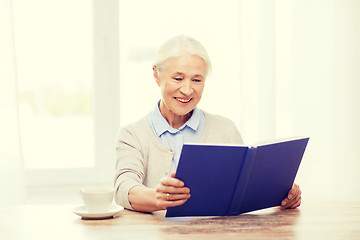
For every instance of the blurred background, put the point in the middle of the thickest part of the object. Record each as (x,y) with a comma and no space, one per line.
(73,72)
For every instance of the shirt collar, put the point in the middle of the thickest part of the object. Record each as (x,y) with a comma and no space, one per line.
(160,125)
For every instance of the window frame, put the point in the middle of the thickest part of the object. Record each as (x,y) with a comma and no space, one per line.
(106,93)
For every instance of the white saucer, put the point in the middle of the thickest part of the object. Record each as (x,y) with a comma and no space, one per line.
(83,212)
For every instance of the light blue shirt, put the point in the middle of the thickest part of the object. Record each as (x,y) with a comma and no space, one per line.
(173,138)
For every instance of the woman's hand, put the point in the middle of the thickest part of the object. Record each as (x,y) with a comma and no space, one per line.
(171,192)
(293,200)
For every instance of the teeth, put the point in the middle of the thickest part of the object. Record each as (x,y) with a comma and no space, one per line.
(183,100)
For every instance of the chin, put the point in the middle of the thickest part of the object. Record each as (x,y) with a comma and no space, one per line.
(182,112)
(182,109)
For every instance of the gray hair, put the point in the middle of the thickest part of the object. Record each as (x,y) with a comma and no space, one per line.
(179,46)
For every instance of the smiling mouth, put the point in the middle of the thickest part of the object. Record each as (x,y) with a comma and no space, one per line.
(183,100)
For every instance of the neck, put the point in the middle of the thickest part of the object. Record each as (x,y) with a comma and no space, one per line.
(174,120)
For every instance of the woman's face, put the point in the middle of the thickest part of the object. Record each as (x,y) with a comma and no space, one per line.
(182,82)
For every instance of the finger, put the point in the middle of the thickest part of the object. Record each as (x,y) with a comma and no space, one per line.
(292,195)
(172,197)
(294,204)
(176,203)
(172,190)
(173,174)
(167,181)
(176,196)
(168,204)
(294,191)
(291,203)
(163,204)
(286,203)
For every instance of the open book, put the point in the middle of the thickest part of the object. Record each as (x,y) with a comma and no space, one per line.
(229,180)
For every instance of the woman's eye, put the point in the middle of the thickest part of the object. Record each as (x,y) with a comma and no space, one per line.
(197,80)
(178,79)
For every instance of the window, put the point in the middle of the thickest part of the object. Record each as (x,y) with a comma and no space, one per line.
(61,87)
(55,81)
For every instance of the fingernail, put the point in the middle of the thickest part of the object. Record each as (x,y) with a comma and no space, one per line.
(290,196)
(283,203)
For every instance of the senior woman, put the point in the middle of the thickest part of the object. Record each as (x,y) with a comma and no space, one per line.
(148,150)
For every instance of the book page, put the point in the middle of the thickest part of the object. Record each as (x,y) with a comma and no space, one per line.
(254,145)
(216,144)
(273,141)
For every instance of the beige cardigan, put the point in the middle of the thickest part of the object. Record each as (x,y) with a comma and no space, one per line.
(142,160)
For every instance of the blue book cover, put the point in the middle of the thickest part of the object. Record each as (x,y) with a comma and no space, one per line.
(229,180)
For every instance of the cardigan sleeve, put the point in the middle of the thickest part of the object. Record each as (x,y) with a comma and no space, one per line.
(129,169)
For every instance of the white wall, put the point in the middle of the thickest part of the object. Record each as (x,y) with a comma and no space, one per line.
(142,31)
(346,101)
(300,76)
(11,162)
(319,96)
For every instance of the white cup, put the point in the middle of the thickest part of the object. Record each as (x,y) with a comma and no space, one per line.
(97,200)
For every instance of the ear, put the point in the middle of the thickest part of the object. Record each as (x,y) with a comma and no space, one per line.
(156,75)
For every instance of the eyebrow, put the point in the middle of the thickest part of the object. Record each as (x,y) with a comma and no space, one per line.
(199,75)
(183,74)
(179,73)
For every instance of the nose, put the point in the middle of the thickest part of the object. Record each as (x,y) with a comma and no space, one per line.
(187,88)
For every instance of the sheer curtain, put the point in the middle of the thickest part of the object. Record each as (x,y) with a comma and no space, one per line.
(323,97)
(300,76)
(11,173)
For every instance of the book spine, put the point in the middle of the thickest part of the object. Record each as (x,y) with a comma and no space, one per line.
(241,185)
